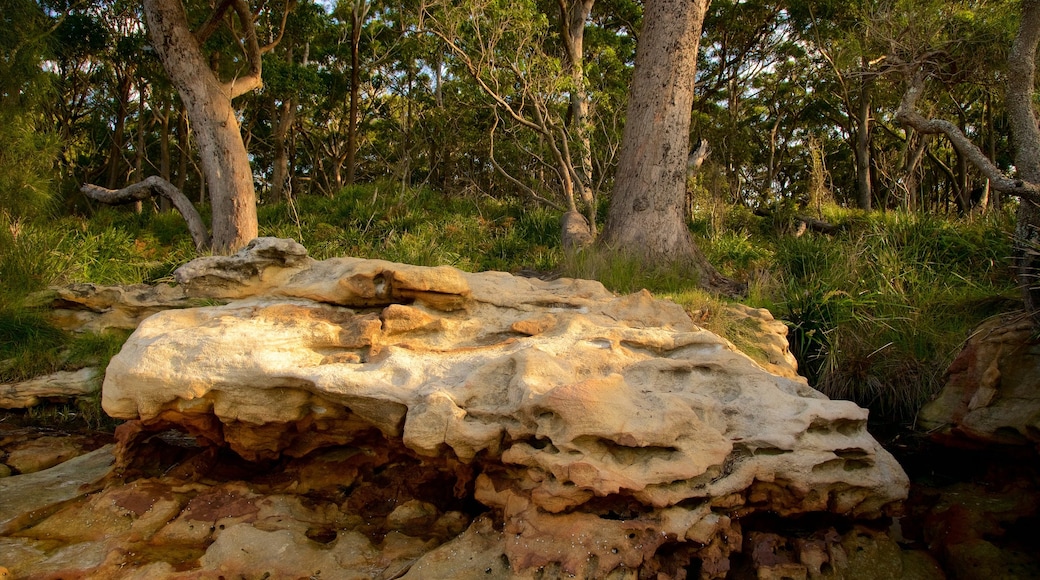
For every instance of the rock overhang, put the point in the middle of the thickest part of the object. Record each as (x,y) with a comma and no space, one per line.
(568,400)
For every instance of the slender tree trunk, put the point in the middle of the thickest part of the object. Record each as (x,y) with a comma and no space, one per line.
(222,153)
(282,117)
(864,191)
(164,150)
(962,190)
(358,13)
(573,16)
(183,148)
(913,161)
(115,156)
(645,219)
(285,116)
(139,148)
(992,195)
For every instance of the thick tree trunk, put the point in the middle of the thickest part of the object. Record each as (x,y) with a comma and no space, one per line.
(1025,135)
(645,218)
(222,153)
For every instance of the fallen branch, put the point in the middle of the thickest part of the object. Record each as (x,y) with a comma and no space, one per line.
(804,222)
(147,188)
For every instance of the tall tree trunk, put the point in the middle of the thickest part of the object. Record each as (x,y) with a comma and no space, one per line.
(284,116)
(913,160)
(645,219)
(358,13)
(573,15)
(139,148)
(864,191)
(115,156)
(164,150)
(183,148)
(1026,137)
(222,153)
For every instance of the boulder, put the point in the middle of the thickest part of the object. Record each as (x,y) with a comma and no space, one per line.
(59,386)
(992,389)
(97,308)
(608,435)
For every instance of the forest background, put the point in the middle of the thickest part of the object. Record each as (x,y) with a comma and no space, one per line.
(458,133)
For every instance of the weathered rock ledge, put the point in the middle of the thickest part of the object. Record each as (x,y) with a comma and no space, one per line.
(609,436)
(992,390)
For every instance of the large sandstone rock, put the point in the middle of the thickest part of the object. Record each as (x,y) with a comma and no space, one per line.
(97,308)
(992,390)
(609,435)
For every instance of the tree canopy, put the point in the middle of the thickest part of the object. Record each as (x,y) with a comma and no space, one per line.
(794,101)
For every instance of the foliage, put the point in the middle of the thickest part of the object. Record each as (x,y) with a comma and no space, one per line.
(875,310)
(876,316)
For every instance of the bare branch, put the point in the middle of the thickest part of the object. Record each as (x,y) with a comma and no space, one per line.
(474,73)
(908,115)
(532,194)
(289,4)
(213,22)
(147,188)
(251,48)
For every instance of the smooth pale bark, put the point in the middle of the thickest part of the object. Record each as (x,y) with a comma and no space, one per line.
(225,163)
(573,15)
(147,188)
(645,219)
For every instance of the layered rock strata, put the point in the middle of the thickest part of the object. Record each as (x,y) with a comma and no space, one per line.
(380,409)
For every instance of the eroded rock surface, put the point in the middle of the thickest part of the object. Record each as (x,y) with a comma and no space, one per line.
(992,390)
(611,437)
(59,386)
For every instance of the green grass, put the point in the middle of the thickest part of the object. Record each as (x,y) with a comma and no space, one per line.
(875,311)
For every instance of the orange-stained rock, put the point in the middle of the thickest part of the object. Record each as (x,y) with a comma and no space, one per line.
(375,410)
(992,389)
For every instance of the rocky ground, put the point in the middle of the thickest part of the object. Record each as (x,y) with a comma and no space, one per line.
(286,418)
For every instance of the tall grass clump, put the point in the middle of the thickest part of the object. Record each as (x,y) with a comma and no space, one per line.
(877,313)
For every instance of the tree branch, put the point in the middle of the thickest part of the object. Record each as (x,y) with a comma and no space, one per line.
(147,188)
(908,115)
(532,194)
(289,4)
(212,23)
(242,85)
